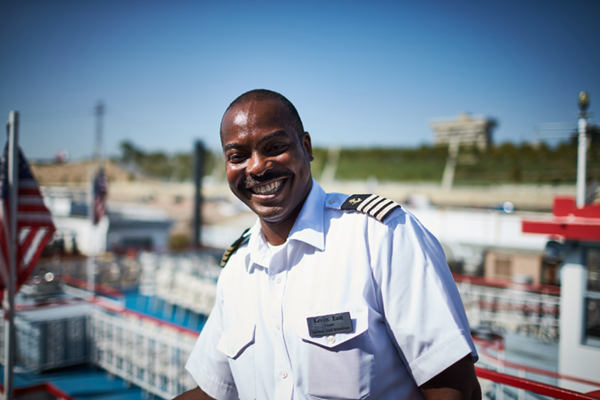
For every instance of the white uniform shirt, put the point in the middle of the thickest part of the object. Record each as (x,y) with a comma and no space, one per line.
(407,317)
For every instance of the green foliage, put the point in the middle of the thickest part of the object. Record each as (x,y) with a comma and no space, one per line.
(177,167)
(318,164)
(508,163)
(421,164)
(505,163)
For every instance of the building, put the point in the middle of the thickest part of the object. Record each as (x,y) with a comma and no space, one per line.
(516,265)
(466,129)
(124,227)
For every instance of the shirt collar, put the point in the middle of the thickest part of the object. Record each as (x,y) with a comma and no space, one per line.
(308,228)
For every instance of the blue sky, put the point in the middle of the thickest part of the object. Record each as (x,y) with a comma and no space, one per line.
(360,74)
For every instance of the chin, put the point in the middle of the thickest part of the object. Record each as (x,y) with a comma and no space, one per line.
(274,214)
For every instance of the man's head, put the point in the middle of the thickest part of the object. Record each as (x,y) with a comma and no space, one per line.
(262,95)
(267,155)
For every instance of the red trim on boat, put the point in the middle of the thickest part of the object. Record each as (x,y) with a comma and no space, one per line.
(532,386)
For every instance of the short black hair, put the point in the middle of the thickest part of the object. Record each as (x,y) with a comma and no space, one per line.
(264,94)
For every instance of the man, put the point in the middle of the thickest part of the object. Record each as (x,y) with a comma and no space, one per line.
(327,296)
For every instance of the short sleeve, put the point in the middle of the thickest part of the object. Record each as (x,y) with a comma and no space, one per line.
(208,366)
(423,309)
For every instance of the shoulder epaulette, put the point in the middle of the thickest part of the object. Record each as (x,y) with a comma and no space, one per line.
(376,206)
(234,246)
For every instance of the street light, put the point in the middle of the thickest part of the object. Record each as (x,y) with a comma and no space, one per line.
(584,103)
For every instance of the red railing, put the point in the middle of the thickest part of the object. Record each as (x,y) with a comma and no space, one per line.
(484,347)
(484,351)
(41,387)
(532,386)
(507,284)
(100,289)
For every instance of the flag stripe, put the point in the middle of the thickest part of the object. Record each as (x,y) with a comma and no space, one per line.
(31,200)
(34,222)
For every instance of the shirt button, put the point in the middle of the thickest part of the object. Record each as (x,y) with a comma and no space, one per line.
(277,326)
(331,201)
(278,279)
(283,374)
(331,339)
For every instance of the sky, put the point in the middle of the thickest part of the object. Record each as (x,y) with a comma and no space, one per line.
(361,74)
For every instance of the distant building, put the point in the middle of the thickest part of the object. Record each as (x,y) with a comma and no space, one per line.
(467,129)
(126,226)
(517,265)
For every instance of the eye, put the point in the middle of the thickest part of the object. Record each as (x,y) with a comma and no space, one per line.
(278,147)
(235,157)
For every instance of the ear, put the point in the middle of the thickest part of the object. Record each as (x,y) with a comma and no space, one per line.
(307,145)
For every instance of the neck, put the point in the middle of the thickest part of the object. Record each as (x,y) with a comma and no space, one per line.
(275,235)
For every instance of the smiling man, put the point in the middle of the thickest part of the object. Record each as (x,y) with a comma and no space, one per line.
(327,296)
(267,158)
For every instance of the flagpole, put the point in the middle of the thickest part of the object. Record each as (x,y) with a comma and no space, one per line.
(99,111)
(13,187)
(91,265)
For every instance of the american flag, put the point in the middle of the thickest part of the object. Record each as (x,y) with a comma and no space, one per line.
(100,191)
(34,221)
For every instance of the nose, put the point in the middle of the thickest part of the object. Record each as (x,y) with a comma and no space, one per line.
(258,164)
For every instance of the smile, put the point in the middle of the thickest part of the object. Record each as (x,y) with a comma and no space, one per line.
(268,188)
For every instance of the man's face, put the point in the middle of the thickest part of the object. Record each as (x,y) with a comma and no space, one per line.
(267,163)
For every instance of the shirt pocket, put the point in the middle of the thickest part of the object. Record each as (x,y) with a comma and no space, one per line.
(337,366)
(237,343)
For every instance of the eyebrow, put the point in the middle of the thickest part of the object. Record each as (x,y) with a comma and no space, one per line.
(266,138)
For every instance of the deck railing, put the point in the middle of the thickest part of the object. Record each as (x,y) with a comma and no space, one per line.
(142,350)
(152,353)
(533,310)
(521,388)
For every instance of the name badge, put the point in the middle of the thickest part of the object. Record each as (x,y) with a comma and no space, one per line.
(329,324)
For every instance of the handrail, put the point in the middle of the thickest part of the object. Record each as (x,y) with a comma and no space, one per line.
(507,284)
(46,386)
(532,386)
(119,309)
(534,370)
(83,284)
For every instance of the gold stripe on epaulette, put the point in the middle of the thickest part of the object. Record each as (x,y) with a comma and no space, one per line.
(234,246)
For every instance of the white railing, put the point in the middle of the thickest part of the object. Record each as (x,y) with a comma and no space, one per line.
(147,352)
(533,310)
(187,281)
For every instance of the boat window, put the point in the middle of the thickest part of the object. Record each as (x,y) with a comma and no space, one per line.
(592,298)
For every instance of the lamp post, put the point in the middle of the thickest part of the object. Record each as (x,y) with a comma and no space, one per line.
(584,102)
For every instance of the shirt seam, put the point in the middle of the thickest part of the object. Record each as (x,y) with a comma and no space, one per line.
(421,368)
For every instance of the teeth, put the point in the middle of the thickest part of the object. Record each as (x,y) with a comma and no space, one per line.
(269,188)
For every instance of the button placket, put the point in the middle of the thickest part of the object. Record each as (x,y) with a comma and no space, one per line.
(277,284)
